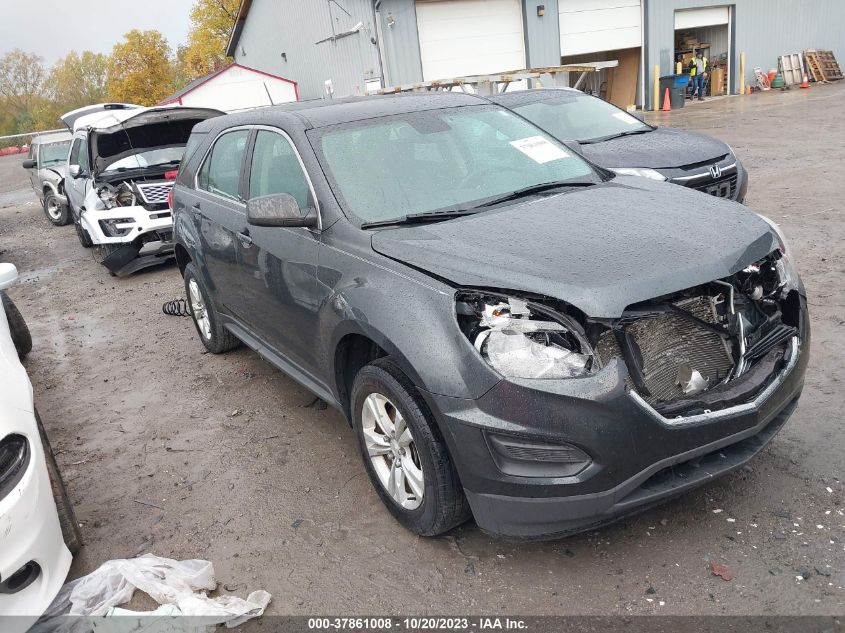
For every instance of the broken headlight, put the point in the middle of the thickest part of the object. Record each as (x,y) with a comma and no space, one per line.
(787,272)
(520,339)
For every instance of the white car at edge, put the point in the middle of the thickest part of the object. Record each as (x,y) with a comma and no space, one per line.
(38,529)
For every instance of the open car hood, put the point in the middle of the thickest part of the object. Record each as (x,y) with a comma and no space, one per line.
(71,118)
(600,249)
(117,134)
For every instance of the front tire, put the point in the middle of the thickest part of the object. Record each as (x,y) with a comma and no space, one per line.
(83,236)
(216,338)
(56,212)
(17,326)
(404,453)
(67,517)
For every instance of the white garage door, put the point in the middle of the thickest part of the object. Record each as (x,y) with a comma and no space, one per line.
(708,16)
(589,26)
(469,37)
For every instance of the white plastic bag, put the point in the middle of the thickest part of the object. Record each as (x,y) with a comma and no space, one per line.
(171,582)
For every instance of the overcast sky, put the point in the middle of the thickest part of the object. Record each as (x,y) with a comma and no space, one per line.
(53,28)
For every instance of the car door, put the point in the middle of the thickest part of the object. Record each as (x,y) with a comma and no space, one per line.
(219,210)
(33,172)
(279,264)
(75,187)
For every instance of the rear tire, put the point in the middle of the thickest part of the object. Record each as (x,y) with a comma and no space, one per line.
(216,338)
(422,457)
(17,326)
(67,517)
(56,212)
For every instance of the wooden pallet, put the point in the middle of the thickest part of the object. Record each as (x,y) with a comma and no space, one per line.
(814,66)
(791,68)
(827,64)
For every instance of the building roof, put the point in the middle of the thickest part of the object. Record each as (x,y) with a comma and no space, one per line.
(176,97)
(240,20)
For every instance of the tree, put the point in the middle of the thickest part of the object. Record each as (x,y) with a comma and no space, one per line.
(79,79)
(22,78)
(211,24)
(140,69)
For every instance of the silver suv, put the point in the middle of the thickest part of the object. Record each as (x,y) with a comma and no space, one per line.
(46,164)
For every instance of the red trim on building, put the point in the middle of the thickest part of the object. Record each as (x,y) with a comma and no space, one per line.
(224,70)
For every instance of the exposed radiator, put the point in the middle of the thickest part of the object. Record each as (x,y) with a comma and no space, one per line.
(668,341)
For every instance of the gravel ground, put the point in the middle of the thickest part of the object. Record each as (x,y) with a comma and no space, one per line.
(170,450)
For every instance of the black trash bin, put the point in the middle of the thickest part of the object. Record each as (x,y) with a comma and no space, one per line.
(677,85)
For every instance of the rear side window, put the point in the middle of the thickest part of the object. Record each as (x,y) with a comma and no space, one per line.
(221,172)
(276,169)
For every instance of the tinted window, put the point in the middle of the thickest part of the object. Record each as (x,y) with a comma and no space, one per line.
(419,162)
(574,116)
(276,169)
(221,172)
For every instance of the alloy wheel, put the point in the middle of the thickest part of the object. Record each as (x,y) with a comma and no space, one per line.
(54,209)
(199,309)
(392,451)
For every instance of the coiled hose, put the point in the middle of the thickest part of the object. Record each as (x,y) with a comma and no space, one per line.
(177,307)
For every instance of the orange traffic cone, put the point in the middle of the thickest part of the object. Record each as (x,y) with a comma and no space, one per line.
(667,102)
(806,82)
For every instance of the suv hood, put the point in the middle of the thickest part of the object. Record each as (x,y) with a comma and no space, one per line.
(660,148)
(600,249)
(122,133)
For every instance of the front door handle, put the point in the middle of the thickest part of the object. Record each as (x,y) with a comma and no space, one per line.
(244,238)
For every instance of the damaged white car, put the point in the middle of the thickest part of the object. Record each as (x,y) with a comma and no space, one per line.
(38,528)
(121,167)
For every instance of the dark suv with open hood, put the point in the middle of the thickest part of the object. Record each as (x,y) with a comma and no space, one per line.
(619,141)
(513,334)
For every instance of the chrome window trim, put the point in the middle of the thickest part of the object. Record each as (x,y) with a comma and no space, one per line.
(705,174)
(748,407)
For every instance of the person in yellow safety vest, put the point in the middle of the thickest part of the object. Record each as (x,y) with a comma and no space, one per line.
(698,69)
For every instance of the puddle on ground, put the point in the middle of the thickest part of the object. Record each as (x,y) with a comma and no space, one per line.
(37,275)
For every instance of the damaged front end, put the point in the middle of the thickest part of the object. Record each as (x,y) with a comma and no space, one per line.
(691,353)
(131,223)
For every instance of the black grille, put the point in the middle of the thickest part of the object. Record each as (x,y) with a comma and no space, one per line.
(721,188)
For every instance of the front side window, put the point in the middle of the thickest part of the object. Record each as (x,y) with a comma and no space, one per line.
(580,117)
(276,169)
(76,154)
(221,172)
(420,162)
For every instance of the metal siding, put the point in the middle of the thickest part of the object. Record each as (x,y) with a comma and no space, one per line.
(400,42)
(763,29)
(542,34)
(293,27)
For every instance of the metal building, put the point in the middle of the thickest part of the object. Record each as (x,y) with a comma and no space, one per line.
(340,47)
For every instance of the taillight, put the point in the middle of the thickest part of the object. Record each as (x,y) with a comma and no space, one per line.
(171,175)
(170,199)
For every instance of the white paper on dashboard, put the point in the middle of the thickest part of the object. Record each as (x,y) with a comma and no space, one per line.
(539,149)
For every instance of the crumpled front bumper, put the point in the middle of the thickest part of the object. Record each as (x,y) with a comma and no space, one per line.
(30,533)
(138,220)
(638,458)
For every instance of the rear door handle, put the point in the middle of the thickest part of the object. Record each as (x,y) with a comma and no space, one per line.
(244,238)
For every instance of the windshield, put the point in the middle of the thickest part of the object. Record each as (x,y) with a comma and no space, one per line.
(391,167)
(579,117)
(152,158)
(54,153)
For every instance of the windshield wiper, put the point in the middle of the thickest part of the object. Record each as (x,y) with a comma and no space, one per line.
(610,137)
(420,218)
(534,190)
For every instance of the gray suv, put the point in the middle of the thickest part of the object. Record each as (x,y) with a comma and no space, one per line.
(513,333)
(47,165)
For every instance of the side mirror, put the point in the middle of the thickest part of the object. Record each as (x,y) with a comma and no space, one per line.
(29,163)
(278,209)
(8,275)
(75,171)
